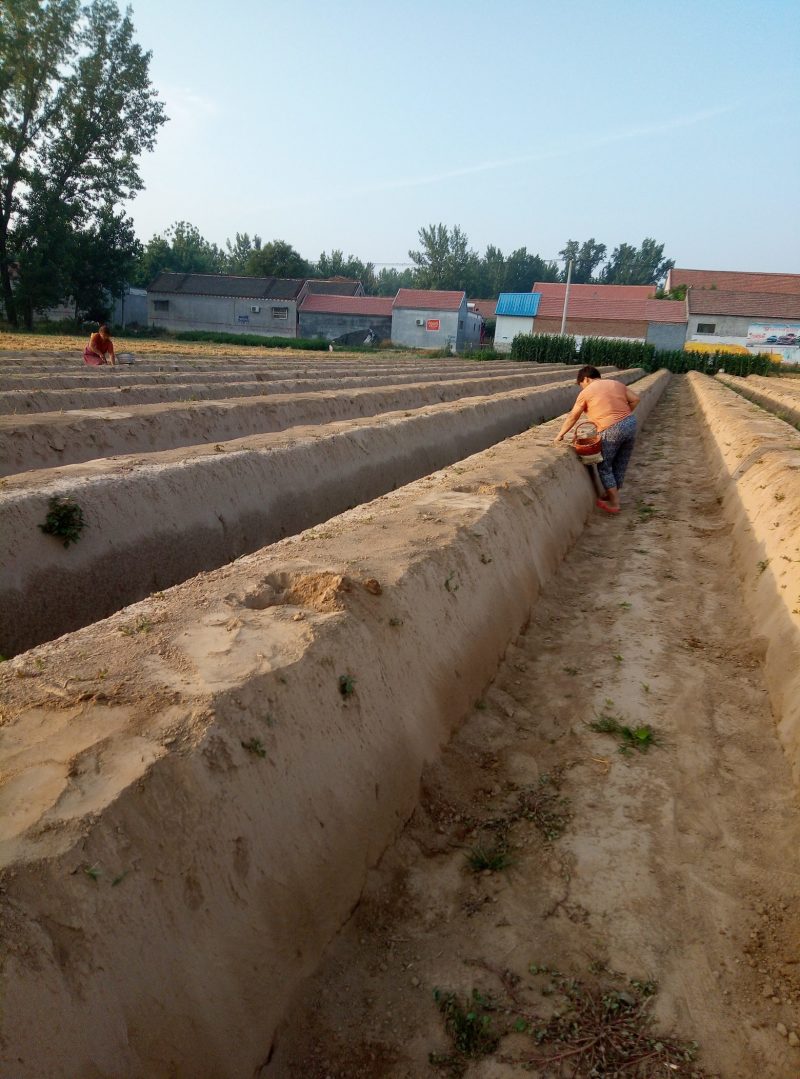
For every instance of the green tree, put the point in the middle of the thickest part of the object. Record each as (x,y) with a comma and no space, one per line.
(523,268)
(76,111)
(586,258)
(390,279)
(277,259)
(336,265)
(644,265)
(181,249)
(103,261)
(238,253)
(445,260)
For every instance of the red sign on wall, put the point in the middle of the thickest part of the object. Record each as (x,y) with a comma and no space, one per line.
(432,324)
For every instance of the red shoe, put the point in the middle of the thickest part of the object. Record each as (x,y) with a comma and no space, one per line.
(605,506)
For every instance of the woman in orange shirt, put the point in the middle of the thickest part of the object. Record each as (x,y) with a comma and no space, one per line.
(609,405)
(100,345)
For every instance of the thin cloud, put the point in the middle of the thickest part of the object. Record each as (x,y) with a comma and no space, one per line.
(548,154)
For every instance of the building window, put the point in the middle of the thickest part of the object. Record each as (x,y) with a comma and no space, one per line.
(280,312)
(461,324)
(161,305)
(706,327)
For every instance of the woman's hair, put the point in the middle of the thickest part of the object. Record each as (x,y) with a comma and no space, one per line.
(587,372)
(104,326)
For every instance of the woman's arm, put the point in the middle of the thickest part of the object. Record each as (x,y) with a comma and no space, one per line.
(632,398)
(577,411)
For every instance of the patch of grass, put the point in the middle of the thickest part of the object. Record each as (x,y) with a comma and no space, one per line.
(255,746)
(347,685)
(547,810)
(64,520)
(645,510)
(470,1026)
(625,605)
(640,738)
(617,657)
(600,1027)
(493,858)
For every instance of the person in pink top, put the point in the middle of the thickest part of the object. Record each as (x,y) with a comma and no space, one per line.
(609,405)
(99,348)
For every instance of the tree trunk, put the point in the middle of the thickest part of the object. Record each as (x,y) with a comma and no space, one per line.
(8,293)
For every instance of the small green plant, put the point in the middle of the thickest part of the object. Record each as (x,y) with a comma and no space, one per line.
(93,871)
(762,565)
(571,671)
(64,520)
(493,858)
(395,622)
(469,1025)
(255,746)
(625,605)
(450,583)
(480,704)
(347,685)
(617,657)
(639,738)
(645,510)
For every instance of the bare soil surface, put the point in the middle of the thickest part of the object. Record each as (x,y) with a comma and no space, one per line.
(657,883)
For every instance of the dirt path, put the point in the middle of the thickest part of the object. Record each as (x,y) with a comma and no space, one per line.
(676,866)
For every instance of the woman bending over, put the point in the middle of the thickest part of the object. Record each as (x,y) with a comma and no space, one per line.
(609,406)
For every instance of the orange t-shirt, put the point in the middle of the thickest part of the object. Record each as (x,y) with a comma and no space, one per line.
(605,402)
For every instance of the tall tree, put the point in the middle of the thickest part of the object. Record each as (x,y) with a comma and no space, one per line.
(103,261)
(445,260)
(181,249)
(523,268)
(336,265)
(76,111)
(586,258)
(277,259)
(643,265)
(238,253)
(390,279)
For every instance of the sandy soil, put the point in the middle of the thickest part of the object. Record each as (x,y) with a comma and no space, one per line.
(675,866)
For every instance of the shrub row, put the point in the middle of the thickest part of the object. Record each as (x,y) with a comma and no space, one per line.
(601,352)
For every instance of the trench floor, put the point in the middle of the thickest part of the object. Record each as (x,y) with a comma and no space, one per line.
(676,867)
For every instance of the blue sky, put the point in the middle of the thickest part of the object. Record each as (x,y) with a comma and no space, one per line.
(350,124)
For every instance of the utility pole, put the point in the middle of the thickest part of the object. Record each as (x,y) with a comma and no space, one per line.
(566,298)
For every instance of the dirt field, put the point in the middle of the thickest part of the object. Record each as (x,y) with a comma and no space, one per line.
(676,866)
(202,794)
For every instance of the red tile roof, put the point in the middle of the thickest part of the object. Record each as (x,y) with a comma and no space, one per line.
(620,292)
(629,303)
(428,299)
(485,308)
(747,304)
(665,310)
(733,281)
(375,306)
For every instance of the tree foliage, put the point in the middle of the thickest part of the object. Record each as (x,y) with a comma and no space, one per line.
(277,259)
(180,249)
(585,257)
(76,111)
(630,265)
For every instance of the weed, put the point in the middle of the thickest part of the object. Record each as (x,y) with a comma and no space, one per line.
(617,657)
(638,738)
(762,565)
(625,605)
(449,583)
(571,671)
(480,704)
(64,520)
(469,1025)
(485,559)
(492,858)
(395,622)
(547,810)
(93,871)
(645,510)
(3,659)
(347,685)
(779,497)
(255,746)
(646,687)
(120,878)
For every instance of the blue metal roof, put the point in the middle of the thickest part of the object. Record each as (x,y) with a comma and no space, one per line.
(523,304)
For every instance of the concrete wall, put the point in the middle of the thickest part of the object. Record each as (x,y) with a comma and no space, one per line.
(330,326)
(507,328)
(728,329)
(131,308)
(469,332)
(405,330)
(222,314)
(666,335)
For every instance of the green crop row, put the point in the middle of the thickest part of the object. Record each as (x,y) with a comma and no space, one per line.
(603,352)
